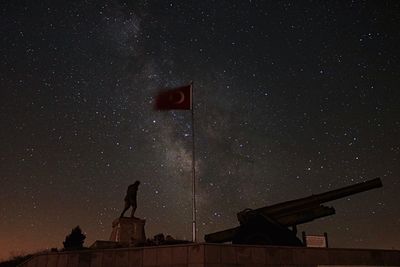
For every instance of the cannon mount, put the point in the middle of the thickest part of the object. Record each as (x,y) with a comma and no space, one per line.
(269,225)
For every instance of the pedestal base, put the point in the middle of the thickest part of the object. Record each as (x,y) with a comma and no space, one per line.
(128,231)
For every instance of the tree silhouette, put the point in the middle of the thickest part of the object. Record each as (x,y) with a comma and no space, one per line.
(75,239)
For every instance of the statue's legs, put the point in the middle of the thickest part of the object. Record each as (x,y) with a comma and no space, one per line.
(133,211)
(125,209)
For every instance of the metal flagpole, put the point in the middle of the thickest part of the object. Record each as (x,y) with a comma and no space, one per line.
(194,239)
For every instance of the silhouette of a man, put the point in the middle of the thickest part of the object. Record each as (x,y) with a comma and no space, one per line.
(131,199)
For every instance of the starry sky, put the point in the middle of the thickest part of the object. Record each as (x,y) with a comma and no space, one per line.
(291,98)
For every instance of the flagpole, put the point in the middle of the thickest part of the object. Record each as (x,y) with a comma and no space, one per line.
(194,239)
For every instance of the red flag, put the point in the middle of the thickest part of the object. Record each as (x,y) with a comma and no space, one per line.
(177,98)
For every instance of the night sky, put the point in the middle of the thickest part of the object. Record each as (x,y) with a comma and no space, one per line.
(292,98)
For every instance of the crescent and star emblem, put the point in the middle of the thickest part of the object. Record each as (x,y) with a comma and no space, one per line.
(178,98)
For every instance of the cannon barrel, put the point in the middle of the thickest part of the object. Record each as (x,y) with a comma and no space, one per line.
(318,199)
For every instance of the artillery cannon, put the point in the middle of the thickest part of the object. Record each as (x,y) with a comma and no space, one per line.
(269,225)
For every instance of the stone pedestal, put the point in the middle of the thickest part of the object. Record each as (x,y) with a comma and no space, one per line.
(128,231)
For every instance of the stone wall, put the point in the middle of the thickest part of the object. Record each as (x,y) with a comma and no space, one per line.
(216,255)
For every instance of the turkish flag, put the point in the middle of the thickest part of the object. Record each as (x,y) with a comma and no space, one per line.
(177,98)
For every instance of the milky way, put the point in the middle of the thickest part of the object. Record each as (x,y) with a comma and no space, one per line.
(291,99)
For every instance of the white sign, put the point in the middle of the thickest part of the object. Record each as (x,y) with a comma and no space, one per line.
(316,241)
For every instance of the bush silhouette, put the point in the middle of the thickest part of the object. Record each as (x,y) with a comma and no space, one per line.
(75,239)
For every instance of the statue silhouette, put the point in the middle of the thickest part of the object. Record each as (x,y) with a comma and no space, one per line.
(131,199)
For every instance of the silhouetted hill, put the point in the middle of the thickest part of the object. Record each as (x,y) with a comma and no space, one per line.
(13,262)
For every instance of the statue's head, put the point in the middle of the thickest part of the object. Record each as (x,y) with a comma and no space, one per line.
(137,183)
